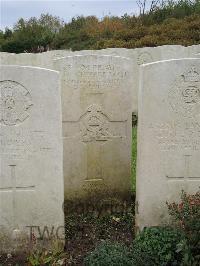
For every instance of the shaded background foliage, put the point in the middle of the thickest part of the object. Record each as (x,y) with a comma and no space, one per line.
(166,22)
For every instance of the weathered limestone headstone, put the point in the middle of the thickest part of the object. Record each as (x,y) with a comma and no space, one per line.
(168,137)
(30,59)
(153,54)
(146,55)
(138,56)
(193,49)
(31,174)
(96,102)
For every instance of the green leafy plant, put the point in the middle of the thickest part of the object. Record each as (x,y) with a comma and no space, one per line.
(186,214)
(53,256)
(109,254)
(156,246)
(153,246)
(134,158)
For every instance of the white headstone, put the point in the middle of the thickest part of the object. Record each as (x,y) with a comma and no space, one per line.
(31,59)
(168,137)
(96,102)
(147,55)
(31,174)
(138,56)
(153,54)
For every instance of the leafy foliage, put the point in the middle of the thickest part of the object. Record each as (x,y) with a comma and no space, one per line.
(109,254)
(54,256)
(187,215)
(134,158)
(173,22)
(153,246)
(156,246)
(163,246)
(33,35)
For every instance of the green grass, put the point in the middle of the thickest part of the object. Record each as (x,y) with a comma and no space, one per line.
(134,157)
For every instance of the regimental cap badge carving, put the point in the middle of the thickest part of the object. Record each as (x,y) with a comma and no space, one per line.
(144,58)
(184,95)
(15,103)
(94,125)
(191,76)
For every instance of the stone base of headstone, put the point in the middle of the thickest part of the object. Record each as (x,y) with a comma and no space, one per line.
(24,240)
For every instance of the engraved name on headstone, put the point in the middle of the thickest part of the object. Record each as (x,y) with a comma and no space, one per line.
(31,174)
(96,103)
(168,137)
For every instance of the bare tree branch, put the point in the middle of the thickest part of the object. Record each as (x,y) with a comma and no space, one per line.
(142,4)
(154,4)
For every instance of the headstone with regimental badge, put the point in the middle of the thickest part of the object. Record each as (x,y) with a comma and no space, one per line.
(96,102)
(31,174)
(168,137)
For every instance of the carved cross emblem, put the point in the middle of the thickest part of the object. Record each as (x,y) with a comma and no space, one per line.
(14,189)
(95,130)
(186,176)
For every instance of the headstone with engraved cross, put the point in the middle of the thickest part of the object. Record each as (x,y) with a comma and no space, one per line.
(31,184)
(96,102)
(168,137)
(14,189)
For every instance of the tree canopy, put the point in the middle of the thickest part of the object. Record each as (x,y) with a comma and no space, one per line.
(166,22)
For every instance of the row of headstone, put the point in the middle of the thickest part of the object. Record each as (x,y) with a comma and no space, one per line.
(138,57)
(97,93)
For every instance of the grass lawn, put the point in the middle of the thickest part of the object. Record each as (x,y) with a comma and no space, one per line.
(134,157)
